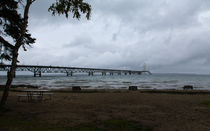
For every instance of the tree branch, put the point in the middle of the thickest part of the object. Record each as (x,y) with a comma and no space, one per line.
(25,24)
(6,43)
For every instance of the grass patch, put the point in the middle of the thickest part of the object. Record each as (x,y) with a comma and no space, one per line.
(124,125)
(4,109)
(21,124)
(112,125)
(207,103)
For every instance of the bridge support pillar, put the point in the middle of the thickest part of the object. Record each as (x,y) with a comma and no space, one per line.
(125,73)
(34,74)
(69,73)
(103,73)
(139,73)
(119,73)
(90,73)
(111,73)
(37,73)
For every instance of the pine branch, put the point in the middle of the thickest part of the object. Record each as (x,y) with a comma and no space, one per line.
(6,43)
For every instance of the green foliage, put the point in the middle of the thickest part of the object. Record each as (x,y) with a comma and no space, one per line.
(76,7)
(207,103)
(11,23)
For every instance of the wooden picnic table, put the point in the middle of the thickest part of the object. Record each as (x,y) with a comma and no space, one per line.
(35,93)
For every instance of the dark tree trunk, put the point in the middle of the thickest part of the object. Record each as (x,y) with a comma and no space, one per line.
(15,54)
(9,78)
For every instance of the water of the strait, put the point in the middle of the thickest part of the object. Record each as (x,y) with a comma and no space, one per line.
(154,81)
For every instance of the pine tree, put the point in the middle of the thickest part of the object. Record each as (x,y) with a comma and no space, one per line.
(14,33)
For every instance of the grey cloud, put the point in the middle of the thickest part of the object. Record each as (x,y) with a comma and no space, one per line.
(114,37)
(167,35)
(40,16)
(39,8)
(152,14)
(80,41)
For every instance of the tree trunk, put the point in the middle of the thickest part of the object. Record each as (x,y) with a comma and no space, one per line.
(15,54)
(9,78)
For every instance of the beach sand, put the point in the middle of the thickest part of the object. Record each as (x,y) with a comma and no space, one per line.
(161,111)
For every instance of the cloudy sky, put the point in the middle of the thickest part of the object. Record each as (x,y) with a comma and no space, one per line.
(170,36)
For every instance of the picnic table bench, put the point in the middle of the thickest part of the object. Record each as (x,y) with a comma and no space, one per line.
(32,95)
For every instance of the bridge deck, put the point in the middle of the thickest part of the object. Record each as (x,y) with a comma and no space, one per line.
(37,70)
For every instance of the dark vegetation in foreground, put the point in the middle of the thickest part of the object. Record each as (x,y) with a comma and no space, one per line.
(207,103)
(23,124)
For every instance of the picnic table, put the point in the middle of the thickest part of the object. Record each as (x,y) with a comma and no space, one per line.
(34,95)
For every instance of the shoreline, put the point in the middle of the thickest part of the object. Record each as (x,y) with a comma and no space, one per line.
(19,88)
(158,81)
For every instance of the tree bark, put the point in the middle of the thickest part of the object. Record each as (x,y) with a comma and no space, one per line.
(9,78)
(15,54)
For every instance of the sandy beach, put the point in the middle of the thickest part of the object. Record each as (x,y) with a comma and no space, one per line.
(155,110)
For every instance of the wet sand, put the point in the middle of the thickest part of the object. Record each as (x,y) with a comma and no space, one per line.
(163,111)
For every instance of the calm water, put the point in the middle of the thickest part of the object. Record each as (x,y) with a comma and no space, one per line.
(155,81)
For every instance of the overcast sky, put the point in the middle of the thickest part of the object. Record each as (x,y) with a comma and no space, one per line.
(168,35)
